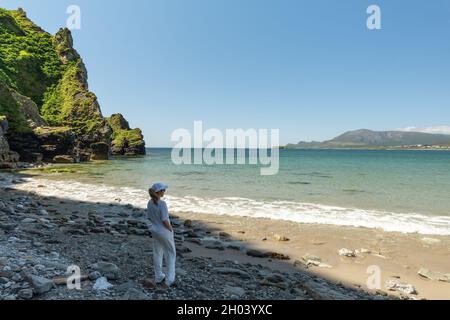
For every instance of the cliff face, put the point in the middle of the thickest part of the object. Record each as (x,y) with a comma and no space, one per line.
(8,158)
(44,95)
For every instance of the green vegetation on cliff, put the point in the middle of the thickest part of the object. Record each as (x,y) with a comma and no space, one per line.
(28,61)
(132,138)
(44,92)
(69,104)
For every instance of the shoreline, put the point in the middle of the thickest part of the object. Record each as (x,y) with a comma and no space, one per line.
(65,179)
(228,238)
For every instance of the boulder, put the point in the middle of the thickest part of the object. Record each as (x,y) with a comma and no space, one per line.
(394,285)
(41,285)
(234,291)
(213,244)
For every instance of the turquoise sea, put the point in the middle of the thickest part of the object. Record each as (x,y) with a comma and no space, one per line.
(406,191)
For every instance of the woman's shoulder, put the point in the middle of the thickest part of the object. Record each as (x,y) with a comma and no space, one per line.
(162,203)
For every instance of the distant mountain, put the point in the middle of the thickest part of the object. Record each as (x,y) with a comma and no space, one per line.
(367,138)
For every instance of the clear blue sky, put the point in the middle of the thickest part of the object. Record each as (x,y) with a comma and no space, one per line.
(310,68)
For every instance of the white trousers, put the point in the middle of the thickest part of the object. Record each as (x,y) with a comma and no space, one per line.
(164,247)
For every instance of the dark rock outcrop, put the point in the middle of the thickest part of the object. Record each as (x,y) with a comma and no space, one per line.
(55,141)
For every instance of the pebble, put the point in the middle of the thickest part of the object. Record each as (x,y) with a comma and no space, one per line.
(234,291)
(25,294)
(347,253)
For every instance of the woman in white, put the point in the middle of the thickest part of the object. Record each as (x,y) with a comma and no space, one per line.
(162,233)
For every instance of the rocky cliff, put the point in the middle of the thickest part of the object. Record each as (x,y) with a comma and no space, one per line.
(45,98)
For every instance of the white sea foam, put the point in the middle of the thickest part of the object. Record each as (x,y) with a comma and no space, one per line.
(279,210)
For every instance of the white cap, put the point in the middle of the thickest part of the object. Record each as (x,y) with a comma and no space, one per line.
(157,187)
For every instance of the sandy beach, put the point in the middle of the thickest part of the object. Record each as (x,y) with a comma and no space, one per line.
(272,245)
(399,256)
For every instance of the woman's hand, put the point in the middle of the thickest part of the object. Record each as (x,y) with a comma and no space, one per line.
(168,226)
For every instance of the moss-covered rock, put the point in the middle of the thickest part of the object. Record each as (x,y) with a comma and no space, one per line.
(125,141)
